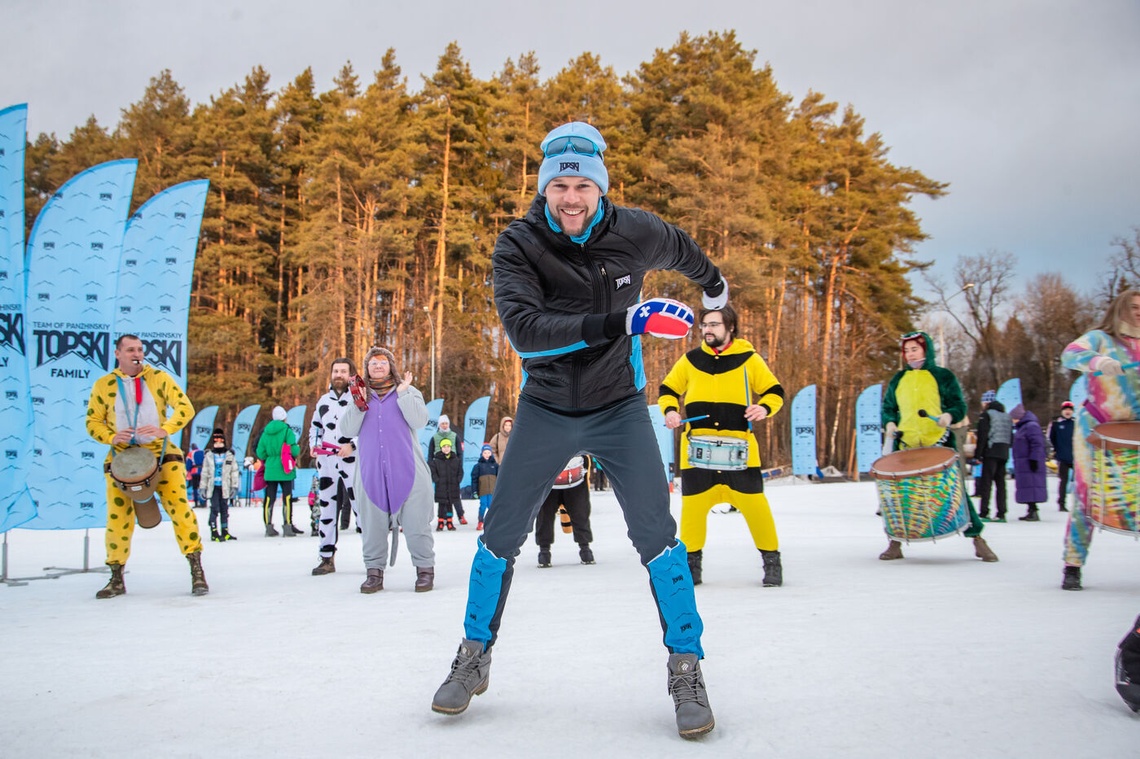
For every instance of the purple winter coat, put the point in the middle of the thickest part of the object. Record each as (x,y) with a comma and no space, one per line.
(1029,460)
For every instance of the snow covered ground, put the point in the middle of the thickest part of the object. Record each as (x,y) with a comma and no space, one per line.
(939,655)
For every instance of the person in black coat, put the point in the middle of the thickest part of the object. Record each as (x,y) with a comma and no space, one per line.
(1061,438)
(446,473)
(995,437)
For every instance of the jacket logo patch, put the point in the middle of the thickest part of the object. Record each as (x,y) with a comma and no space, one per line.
(621,282)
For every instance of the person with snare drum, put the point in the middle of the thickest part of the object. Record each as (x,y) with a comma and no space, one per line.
(920,403)
(727,387)
(1108,356)
(134,407)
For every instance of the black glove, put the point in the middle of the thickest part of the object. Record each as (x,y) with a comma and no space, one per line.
(1032,465)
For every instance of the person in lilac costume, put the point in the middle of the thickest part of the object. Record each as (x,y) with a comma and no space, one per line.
(393,483)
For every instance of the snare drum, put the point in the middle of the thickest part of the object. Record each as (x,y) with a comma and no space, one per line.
(572,475)
(135,471)
(1115,477)
(721,453)
(921,493)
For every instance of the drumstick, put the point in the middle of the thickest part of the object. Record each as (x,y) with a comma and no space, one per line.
(694,419)
(1130,365)
(747,397)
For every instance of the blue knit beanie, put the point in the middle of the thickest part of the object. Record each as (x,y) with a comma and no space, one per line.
(989,396)
(571,164)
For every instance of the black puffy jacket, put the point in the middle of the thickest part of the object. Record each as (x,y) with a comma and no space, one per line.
(563,303)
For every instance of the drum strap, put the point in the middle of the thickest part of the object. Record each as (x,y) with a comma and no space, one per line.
(127,401)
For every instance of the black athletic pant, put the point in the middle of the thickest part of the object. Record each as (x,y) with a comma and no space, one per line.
(577,503)
(993,470)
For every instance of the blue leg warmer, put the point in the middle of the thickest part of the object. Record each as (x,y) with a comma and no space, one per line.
(676,603)
(483,592)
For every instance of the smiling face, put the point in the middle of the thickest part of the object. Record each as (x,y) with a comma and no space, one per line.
(378,367)
(714,331)
(572,202)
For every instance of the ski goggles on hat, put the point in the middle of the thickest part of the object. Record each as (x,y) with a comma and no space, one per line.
(573,143)
(911,336)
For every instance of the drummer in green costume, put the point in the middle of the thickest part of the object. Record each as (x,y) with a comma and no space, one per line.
(921,402)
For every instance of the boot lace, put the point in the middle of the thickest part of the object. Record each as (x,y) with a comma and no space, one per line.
(688,687)
(465,669)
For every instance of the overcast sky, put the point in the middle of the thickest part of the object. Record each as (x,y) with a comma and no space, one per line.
(1030,109)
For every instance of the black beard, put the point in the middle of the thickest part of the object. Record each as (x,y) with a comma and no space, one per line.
(220,448)
(713,341)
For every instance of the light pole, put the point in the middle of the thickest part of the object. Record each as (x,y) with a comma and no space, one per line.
(431,327)
(945,305)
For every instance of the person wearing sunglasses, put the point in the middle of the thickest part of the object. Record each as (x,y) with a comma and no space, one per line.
(568,280)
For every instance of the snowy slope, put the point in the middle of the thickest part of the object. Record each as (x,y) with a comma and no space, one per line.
(939,655)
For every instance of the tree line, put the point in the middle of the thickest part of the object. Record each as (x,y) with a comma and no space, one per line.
(367,214)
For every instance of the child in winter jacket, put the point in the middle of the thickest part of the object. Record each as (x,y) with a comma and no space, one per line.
(446,473)
(483,477)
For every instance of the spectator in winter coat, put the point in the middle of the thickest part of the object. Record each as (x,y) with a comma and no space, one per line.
(220,480)
(1061,438)
(1107,356)
(447,473)
(194,472)
(1028,461)
(270,449)
(995,436)
(500,438)
(443,430)
(483,477)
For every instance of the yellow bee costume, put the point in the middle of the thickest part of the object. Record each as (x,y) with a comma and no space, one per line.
(715,384)
(156,400)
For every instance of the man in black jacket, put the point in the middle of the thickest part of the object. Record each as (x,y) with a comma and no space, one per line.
(568,281)
(995,434)
(1061,438)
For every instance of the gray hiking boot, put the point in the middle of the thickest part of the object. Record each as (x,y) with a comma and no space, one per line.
(469,676)
(687,687)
